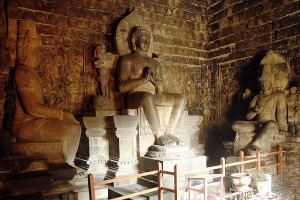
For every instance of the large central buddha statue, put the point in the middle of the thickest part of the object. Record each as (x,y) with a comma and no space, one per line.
(34,121)
(140,77)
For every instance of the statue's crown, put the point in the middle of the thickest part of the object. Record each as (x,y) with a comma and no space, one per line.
(27,28)
(273,58)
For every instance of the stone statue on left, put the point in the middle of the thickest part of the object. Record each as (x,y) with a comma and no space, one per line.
(34,121)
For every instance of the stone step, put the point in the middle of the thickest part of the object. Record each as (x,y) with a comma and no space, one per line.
(37,180)
(115,192)
(82,193)
(284,192)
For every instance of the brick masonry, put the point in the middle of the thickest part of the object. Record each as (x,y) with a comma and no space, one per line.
(291,167)
(213,47)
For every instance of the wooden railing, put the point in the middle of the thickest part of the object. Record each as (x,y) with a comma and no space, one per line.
(257,159)
(222,167)
(159,188)
(245,160)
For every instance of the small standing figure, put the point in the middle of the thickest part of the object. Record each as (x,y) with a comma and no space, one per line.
(103,64)
(293,104)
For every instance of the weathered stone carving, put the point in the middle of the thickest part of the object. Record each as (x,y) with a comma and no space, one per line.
(293,105)
(269,107)
(33,121)
(103,64)
(140,77)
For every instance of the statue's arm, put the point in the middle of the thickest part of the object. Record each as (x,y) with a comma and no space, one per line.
(158,79)
(31,104)
(34,108)
(253,110)
(281,112)
(125,83)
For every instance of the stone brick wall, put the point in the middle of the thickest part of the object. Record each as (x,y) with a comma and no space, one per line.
(240,33)
(291,167)
(71,29)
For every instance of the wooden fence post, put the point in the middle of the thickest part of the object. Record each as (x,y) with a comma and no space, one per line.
(92,187)
(177,182)
(159,182)
(242,168)
(222,162)
(280,163)
(258,165)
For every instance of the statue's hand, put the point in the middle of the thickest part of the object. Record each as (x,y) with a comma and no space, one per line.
(147,74)
(69,117)
(57,102)
(257,109)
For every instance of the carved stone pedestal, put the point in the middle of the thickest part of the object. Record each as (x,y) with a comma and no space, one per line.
(51,151)
(171,152)
(112,146)
(98,146)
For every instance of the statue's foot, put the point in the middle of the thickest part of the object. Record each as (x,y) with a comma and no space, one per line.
(174,138)
(250,152)
(165,141)
(252,149)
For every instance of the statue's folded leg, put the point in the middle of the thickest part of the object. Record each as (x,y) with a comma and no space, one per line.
(264,138)
(146,101)
(51,130)
(177,102)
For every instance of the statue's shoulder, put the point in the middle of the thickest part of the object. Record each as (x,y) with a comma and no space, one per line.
(22,70)
(127,57)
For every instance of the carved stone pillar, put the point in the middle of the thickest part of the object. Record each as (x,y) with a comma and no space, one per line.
(122,131)
(98,146)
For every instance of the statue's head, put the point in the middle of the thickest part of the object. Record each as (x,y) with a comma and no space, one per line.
(275,64)
(266,83)
(140,39)
(29,42)
(100,50)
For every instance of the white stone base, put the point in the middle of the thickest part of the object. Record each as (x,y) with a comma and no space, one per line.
(184,165)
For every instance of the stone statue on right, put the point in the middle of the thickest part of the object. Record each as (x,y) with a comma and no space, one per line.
(269,108)
(140,77)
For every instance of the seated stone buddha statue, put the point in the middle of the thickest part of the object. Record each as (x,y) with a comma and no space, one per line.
(139,75)
(34,121)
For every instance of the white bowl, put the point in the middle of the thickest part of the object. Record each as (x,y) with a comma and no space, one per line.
(241,181)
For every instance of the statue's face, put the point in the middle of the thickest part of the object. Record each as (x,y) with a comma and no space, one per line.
(266,85)
(143,42)
(33,52)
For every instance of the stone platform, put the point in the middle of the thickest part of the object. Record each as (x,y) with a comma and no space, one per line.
(115,192)
(52,151)
(185,164)
(20,180)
